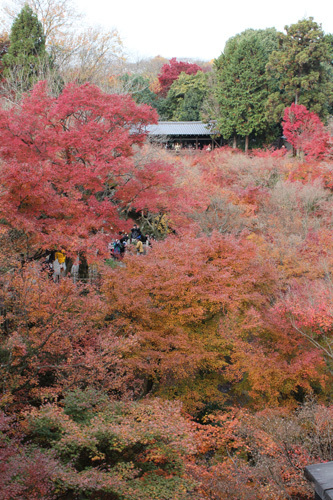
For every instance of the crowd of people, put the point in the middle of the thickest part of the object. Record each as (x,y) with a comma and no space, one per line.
(141,243)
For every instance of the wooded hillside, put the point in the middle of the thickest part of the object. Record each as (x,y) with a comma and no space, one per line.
(197,365)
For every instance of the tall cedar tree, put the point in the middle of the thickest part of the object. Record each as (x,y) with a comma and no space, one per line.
(27,46)
(242,84)
(302,68)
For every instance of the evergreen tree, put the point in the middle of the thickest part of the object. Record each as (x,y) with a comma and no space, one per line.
(26,52)
(302,69)
(241,84)
(185,97)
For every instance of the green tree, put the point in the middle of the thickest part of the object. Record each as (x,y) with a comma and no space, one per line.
(138,87)
(241,84)
(26,52)
(78,51)
(302,68)
(329,66)
(185,97)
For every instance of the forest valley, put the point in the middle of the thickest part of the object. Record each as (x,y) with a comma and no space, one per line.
(203,370)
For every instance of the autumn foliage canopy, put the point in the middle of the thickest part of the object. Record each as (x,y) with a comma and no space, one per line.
(67,165)
(201,370)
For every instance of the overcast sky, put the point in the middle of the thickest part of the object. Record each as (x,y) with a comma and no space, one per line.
(193,28)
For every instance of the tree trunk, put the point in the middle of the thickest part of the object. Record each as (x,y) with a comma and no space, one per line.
(234,143)
(246,143)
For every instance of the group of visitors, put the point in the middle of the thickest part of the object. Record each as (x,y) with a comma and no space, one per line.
(141,243)
(177,147)
(55,261)
(55,264)
(58,266)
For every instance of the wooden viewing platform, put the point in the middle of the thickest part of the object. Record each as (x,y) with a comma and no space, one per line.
(195,134)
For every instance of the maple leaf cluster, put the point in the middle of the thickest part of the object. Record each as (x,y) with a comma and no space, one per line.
(171,71)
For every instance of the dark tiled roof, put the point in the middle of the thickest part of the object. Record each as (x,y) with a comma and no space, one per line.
(180,128)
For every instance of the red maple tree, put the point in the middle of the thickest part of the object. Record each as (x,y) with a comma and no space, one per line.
(171,71)
(305,132)
(67,168)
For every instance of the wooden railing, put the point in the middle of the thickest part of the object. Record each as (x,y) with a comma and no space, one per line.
(321,475)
